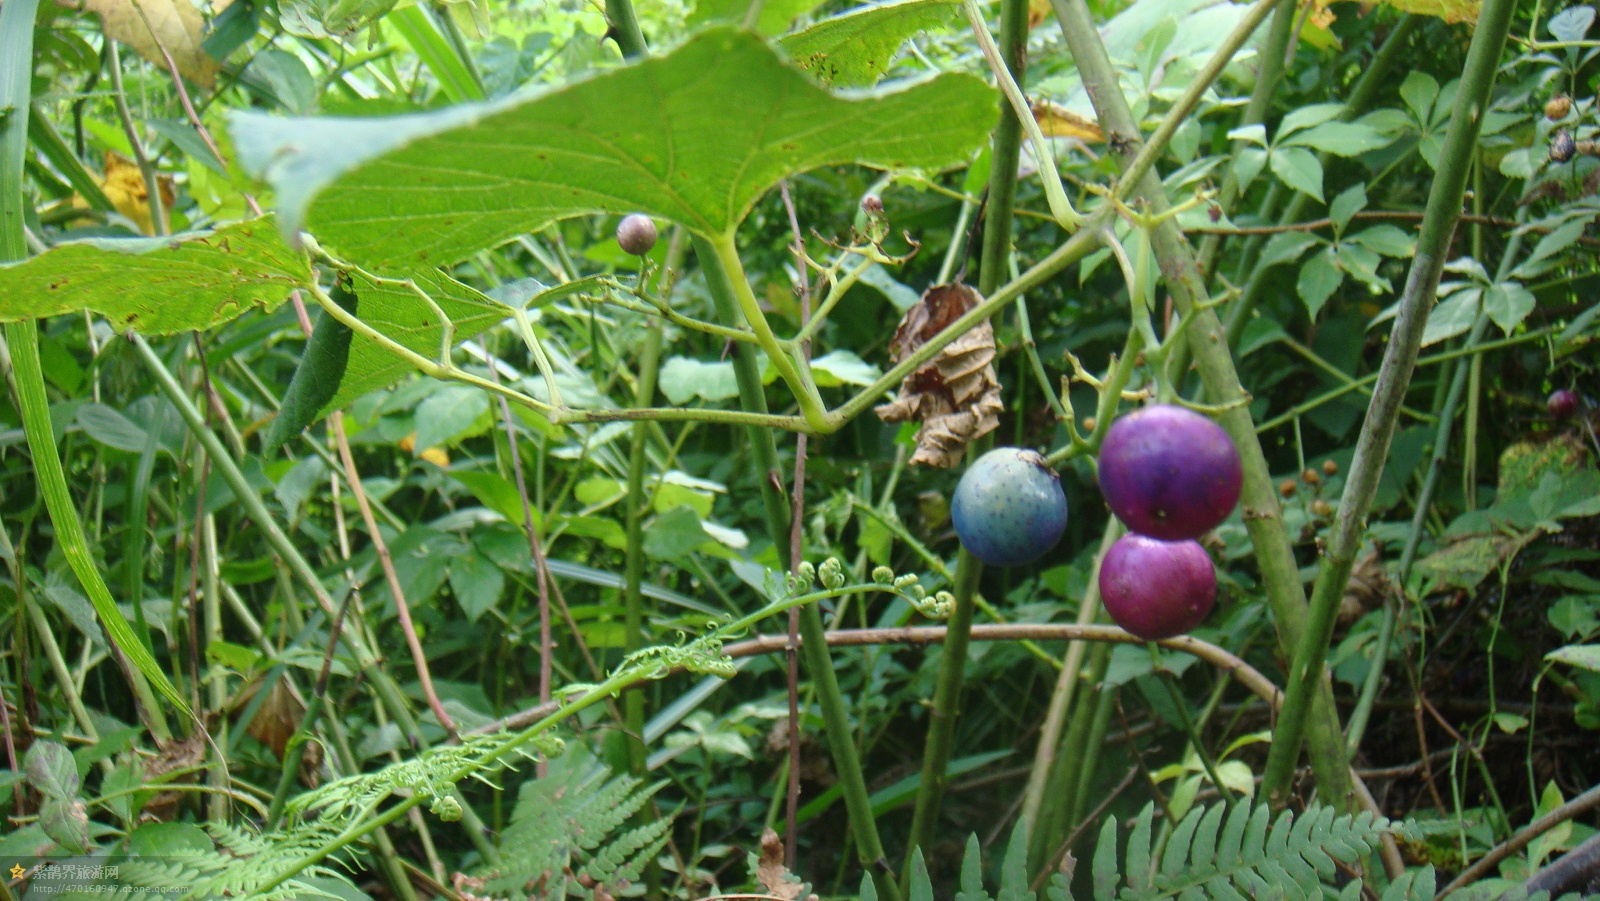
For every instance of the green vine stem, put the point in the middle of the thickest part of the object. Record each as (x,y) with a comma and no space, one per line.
(1045,755)
(633,563)
(1394,375)
(1016,116)
(217,689)
(818,663)
(993,268)
(1262,513)
(1357,725)
(797,377)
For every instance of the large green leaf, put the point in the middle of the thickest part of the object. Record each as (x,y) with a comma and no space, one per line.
(857,47)
(401,315)
(774,16)
(158,285)
(695,136)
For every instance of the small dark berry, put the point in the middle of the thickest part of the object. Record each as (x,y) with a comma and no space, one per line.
(1558,107)
(1330,468)
(1562,146)
(636,233)
(1563,403)
(1311,477)
(1287,489)
(872,205)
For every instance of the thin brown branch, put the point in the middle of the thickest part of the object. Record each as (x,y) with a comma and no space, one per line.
(1578,806)
(535,549)
(1389,215)
(419,659)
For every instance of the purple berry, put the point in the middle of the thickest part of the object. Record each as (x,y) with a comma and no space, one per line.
(637,234)
(1563,403)
(1169,473)
(1009,508)
(1157,589)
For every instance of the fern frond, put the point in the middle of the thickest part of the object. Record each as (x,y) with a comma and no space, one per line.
(1237,853)
(567,823)
(972,873)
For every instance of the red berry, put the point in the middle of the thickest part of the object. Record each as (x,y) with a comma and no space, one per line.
(1563,402)
(1157,589)
(1169,473)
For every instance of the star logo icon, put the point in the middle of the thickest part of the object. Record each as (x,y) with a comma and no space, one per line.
(17,871)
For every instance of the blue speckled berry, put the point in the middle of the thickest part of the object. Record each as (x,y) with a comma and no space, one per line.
(1009,508)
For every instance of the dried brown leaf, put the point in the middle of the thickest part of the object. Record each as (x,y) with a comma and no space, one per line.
(955,396)
(277,717)
(149,26)
(773,875)
(1368,585)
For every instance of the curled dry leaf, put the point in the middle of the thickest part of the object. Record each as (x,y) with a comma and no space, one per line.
(150,26)
(955,396)
(1368,585)
(774,876)
(181,755)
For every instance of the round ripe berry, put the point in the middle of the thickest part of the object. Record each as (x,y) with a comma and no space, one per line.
(1009,508)
(1157,589)
(1169,473)
(1562,403)
(636,233)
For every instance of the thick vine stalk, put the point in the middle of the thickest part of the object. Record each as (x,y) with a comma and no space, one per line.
(1399,359)
(1262,512)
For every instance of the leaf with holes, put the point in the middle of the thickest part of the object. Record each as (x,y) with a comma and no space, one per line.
(856,48)
(158,285)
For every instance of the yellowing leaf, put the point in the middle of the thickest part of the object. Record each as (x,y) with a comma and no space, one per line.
(434,455)
(1057,121)
(1317,29)
(125,187)
(1454,12)
(150,26)
(1038,11)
